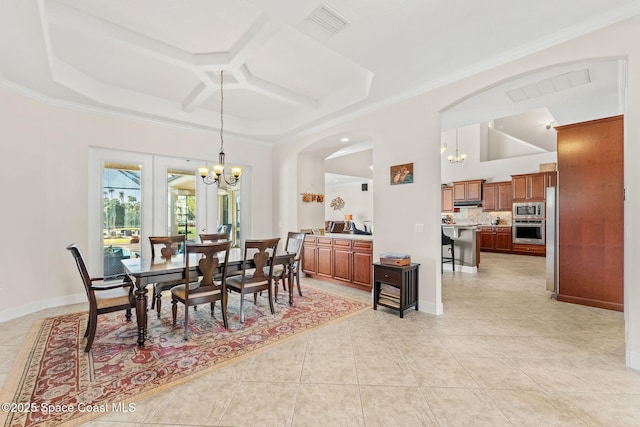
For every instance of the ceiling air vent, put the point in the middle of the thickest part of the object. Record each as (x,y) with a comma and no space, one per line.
(328,20)
(551,85)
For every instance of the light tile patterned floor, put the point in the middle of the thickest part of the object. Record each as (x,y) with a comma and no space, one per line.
(503,353)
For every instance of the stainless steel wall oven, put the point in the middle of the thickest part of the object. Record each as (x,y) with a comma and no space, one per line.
(529,231)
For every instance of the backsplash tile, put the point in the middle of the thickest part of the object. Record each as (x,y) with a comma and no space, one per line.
(475,215)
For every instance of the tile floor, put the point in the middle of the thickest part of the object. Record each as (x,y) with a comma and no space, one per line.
(503,353)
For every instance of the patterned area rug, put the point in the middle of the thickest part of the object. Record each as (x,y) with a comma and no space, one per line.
(53,382)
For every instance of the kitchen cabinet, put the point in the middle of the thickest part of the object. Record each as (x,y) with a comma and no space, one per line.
(495,239)
(339,260)
(466,191)
(342,257)
(362,261)
(523,249)
(497,196)
(325,257)
(447,199)
(532,186)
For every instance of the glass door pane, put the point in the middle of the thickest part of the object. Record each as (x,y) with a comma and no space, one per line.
(121,215)
(181,204)
(229,212)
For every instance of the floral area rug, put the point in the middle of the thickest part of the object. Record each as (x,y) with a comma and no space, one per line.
(54,382)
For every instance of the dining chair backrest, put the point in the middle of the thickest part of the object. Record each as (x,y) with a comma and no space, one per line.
(262,253)
(169,245)
(84,273)
(210,266)
(104,297)
(294,243)
(214,237)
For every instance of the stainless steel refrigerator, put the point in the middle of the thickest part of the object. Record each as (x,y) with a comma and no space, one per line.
(551,242)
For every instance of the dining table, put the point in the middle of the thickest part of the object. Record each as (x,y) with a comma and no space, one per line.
(144,271)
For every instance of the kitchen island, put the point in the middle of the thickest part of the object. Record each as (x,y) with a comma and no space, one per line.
(345,259)
(467,246)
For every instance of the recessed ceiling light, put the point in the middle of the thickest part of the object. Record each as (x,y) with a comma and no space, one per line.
(344,139)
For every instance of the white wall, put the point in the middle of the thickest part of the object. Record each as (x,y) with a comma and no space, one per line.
(410,132)
(356,164)
(469,142)
(358,203)
(44,166)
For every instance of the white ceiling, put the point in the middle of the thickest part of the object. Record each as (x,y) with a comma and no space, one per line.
(160,59)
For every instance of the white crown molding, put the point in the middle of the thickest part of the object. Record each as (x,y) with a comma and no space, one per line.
(55,102)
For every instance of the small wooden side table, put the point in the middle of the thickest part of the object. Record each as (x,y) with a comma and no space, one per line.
(395,286)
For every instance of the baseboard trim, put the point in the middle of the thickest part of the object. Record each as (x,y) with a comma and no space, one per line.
(431,308)
(460,268)
(33,307)
(633,360)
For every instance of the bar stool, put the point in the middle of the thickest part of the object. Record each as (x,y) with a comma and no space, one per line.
(448,241)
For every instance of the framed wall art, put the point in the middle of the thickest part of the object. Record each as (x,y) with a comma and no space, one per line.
(402,174)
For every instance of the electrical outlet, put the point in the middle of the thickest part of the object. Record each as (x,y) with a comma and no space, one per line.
(419,228)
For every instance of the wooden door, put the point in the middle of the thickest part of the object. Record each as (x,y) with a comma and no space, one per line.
(362,262)
(537,186)
(489,197)
(309,257)
(591,213)
(487,239)
(459,191)
(503,239)
(504,198)
(325,258)
(474,190)
(447,199)
(519,187)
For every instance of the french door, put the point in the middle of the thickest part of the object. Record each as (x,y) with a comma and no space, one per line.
(133,196)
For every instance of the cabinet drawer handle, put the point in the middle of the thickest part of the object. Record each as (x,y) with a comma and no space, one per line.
(386,276)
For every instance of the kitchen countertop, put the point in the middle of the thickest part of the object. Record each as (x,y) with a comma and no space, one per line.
(475,225)
(346,236)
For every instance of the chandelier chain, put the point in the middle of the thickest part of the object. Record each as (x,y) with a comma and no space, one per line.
(221,111)
(217,175)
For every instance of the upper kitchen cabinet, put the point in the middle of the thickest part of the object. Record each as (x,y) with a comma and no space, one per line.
(467,192)
(532,186)
(447,199)
(497,196)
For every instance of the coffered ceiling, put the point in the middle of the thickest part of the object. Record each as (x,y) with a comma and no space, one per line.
(290,65)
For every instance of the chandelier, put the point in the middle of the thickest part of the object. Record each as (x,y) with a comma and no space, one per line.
(216,174)
(458,158)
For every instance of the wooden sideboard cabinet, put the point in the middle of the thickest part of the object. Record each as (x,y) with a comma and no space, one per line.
(339,260)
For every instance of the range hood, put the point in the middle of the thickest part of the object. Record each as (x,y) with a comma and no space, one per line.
(467,203)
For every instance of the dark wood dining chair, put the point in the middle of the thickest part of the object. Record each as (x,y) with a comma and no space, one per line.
(104,296)
(257,272)
(165,247)
(212,285)
(213,237)
(280,273)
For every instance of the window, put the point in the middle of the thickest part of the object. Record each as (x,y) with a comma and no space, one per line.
(133,196)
